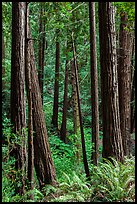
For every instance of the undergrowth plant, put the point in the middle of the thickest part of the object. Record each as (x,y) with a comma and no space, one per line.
(63,156)
(114,182)
(109,181)
(73,188)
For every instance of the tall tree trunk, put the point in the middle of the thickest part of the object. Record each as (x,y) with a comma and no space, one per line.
(80,114)
(132,127)
(63,130)
(76,120)
(112,140)
(18,118)
(74,66)
(124,82)
(133,88)
(41,49)
(43,162)
(94,83)
(73,80)
(74,99)
(56,85)
(30,119)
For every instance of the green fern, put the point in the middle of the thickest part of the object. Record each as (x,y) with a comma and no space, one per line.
(74,188)
(114,181)
(48,189)
(26,197)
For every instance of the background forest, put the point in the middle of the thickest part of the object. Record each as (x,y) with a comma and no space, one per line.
(68,101)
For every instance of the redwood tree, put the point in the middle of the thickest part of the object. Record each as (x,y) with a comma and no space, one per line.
(30,172)
(132,127)
(18,119)
(132,130)
(112,140)
(124,76)
(94,83)
(43,162)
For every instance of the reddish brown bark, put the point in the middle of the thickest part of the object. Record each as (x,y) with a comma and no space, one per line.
(44,165)
(112,140)
(30,172)
(132,130)
(18,119)
(124,76)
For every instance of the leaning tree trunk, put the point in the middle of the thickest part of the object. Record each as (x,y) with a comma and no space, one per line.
(112,140)
(18,118)
(41,49)
(79,112)
(124,76)
(43,162)
(56,85)
(76,120)
(94,83)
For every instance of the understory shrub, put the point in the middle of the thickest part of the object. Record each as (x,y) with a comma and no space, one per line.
(114,182)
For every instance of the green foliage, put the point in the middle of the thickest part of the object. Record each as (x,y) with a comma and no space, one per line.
(73,188)
(60,147)
(6,19)
(114,182)
(63,156)
(48,189)
(37,196)
(8,173)
(108,182)
(128,7)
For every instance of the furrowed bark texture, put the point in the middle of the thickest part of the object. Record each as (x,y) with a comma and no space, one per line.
(132,130)
(124,76)
(44,165)
(18,118)
(112,140)
(30,172)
